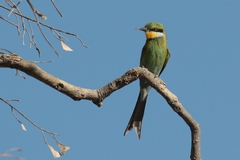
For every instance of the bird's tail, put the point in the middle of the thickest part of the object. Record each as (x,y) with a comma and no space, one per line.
(137,116)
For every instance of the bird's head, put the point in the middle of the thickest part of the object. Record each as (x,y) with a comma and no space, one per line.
(153,30)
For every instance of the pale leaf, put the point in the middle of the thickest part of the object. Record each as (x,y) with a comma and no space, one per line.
(65,47)
(44,17)
(54,152)
(63,148)
(23,127)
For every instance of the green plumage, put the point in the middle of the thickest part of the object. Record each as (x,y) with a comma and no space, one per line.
(155,56)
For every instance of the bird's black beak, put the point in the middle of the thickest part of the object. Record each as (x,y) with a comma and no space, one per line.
(142,29)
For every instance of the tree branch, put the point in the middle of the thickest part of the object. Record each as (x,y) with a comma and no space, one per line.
(63,148)
(7,154)
(97,96)
(40,25)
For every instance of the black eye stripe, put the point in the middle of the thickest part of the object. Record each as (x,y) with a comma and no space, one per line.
(156,30)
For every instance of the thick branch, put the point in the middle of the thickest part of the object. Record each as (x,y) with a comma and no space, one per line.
(97,96)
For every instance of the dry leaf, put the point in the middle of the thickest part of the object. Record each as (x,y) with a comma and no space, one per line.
(44,17)
(65,47)
(23,127)
(63,148)
(54,152)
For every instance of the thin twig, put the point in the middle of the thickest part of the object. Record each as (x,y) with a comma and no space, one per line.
(50,27)
(15,116)
(20,75)
(23,23)
(7,154)
(43,131)
(58,36)
(40,62)
(53,135)
(56,8)
(8,21)
(5,50)
(40,28)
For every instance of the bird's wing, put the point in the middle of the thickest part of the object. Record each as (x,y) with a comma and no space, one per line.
(166,61)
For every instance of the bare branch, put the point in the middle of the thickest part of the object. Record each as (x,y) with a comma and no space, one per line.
(19,74)
(8,21)
(36,13)
(5,50)
(97,96)
(39,62)
(7,154)
(24,116)
(56,8)
(63,148)
(15,6)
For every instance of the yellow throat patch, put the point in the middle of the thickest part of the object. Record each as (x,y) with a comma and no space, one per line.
(151,34)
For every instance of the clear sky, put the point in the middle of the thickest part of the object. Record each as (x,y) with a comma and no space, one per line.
(203,38)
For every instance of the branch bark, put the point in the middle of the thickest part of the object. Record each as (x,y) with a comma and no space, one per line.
(97,96)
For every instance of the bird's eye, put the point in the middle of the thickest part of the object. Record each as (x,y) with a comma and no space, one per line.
(153,29)
(156,30)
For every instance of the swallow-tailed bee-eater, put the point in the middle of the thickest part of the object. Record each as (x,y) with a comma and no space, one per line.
(155,56)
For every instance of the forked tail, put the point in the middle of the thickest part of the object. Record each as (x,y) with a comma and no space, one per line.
(137,116)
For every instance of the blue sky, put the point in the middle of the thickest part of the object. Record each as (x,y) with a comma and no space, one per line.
(203,38)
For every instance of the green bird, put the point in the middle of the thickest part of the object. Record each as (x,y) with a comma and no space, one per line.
(155,56)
